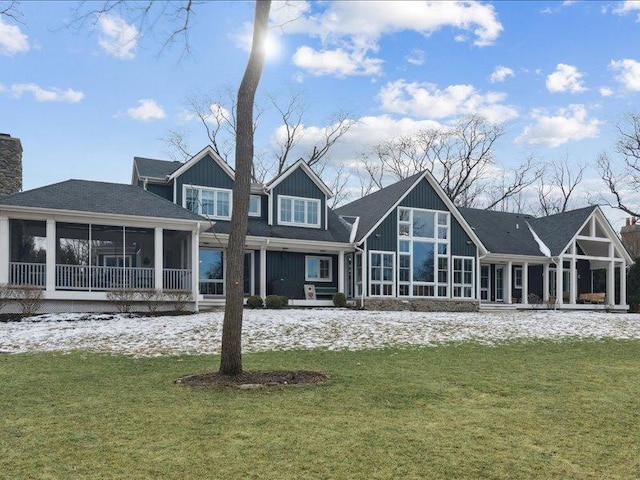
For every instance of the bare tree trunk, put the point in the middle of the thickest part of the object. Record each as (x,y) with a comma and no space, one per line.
(231,359)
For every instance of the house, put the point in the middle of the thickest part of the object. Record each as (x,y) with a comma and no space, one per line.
(405,246)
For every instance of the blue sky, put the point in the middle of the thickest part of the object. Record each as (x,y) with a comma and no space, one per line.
(559,75)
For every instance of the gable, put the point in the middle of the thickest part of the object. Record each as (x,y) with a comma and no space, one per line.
(205,173)
(424,196)
(299,184)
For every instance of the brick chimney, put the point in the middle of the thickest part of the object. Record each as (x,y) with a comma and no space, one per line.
(10,165)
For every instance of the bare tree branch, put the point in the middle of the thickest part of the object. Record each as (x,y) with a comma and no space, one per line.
(11,10)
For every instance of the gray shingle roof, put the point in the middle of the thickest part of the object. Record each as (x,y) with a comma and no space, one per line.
(149,167)
(556,231)
(375,206)
(100,197)
(508,233)
(502,232)
(337,231)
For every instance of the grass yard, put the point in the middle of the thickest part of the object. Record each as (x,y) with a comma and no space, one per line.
(522,410)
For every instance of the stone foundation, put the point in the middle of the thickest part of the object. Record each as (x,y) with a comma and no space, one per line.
(421,305)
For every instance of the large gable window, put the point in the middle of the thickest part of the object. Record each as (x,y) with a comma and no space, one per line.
(298,211)
(210,202)
(423,253)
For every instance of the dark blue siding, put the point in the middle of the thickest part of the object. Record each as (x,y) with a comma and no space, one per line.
(165,191)
(298,184)
(461,243)
(206,173)
(385,236)
(285,274)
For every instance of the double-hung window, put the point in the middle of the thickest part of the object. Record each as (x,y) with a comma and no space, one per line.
(210,202)
(255,206)
(318,269)
(298,211)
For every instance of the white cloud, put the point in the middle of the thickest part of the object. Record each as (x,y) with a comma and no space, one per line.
(416,57)
(424,100)
(12,40)
(147,110)
(351,30)
(628,73)
(500,74)
(566,78)
(628,6)
(42,95)
(605,91)
(118,38)
(336,62)
(567,125)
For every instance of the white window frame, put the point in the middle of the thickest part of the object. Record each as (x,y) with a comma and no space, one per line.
(257,213)
(462,284)
(307,202)
(202,189)
(382,282)
(308,278)
(517,282)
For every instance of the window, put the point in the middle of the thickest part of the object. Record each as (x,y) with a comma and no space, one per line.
(318,269)
(423,258)
(463,272)
(210,202)
(517,277)
(255,206)
(300,212)
(382,270)
(211,272)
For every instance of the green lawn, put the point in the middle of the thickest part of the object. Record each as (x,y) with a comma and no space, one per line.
(534,410)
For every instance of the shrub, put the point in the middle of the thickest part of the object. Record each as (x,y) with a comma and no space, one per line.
(339,300)
(633,286)
(29,298)
(284,300)
(6,294)
(274,302)
(122,298)
(152,299)
(534,299)
(255,301)
(180,298)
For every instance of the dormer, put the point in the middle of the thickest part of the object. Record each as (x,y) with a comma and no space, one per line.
(298,198)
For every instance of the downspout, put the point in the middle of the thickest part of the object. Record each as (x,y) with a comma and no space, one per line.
(355,245)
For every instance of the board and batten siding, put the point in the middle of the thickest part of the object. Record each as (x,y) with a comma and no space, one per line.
(286,272)
(205,173)
(298,184)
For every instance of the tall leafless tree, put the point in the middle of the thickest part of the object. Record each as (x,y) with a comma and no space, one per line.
(557,185)
(460,158)
(622,178)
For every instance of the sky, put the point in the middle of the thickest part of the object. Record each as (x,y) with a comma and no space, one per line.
(87,94)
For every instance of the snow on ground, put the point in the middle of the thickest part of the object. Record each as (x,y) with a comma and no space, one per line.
(330,329)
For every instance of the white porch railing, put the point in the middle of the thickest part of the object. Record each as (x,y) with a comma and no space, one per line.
(176,279)
(34,274)
(84,277)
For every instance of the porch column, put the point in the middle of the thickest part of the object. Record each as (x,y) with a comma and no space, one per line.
(263,271)
(623,284)
(611,283)
(507,287)
(4,250)
(195,264)
(477,294)
(51,256)
(341,271)
(559,286)
(158,259)
(545,283)
(525,283)
(573,279)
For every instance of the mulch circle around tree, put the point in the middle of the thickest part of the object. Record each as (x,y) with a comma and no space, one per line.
(253,380)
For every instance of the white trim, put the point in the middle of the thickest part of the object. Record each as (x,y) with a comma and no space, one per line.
(462,284)
(270,212)
(4,249)
(306,201)
(320,258)
(517,284)
(208,150)
(310,173)
(382,282)
(202,189)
